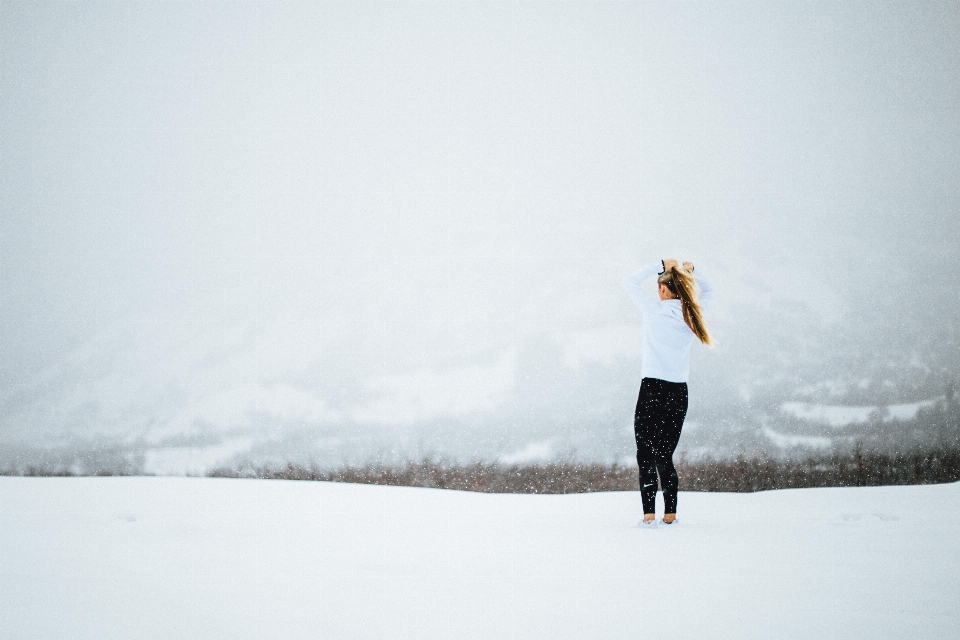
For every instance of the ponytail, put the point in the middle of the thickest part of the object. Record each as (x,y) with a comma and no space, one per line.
(681,283)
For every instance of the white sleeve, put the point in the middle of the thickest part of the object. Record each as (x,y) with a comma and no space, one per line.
(643,300)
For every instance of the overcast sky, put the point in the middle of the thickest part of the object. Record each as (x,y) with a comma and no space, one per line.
(432,180)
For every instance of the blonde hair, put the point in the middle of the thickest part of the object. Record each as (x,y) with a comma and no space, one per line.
(680,282)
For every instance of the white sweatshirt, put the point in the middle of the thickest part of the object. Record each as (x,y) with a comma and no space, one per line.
(665,348)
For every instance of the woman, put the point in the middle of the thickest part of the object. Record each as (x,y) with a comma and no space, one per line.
(669,326)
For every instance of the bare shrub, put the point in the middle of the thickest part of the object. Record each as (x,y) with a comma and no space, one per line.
(738,475)
(552,477)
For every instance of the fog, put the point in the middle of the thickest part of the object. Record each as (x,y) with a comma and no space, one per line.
(327,232)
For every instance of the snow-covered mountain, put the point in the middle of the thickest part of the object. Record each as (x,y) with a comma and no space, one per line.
(186,396)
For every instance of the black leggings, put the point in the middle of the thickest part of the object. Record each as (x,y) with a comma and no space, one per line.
(657,422)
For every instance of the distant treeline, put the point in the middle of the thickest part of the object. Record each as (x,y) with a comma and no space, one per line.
(739,475)
(742,474)
(925,450)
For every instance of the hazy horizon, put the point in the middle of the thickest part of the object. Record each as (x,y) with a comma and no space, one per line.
(306,225)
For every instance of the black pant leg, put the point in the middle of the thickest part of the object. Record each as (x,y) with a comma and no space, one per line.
(670,482)
(645,431)
(674,413)
(658,421)
(648,477)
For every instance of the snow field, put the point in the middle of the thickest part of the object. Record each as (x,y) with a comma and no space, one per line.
(223,558)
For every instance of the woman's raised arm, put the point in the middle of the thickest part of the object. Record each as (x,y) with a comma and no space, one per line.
(643,300)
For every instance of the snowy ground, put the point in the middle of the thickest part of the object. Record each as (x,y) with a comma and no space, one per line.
(215,558)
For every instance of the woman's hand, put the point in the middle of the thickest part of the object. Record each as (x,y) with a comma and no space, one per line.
(688,266)
(668,263)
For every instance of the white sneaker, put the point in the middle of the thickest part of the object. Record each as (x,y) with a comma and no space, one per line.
(648,524)
(675,522)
